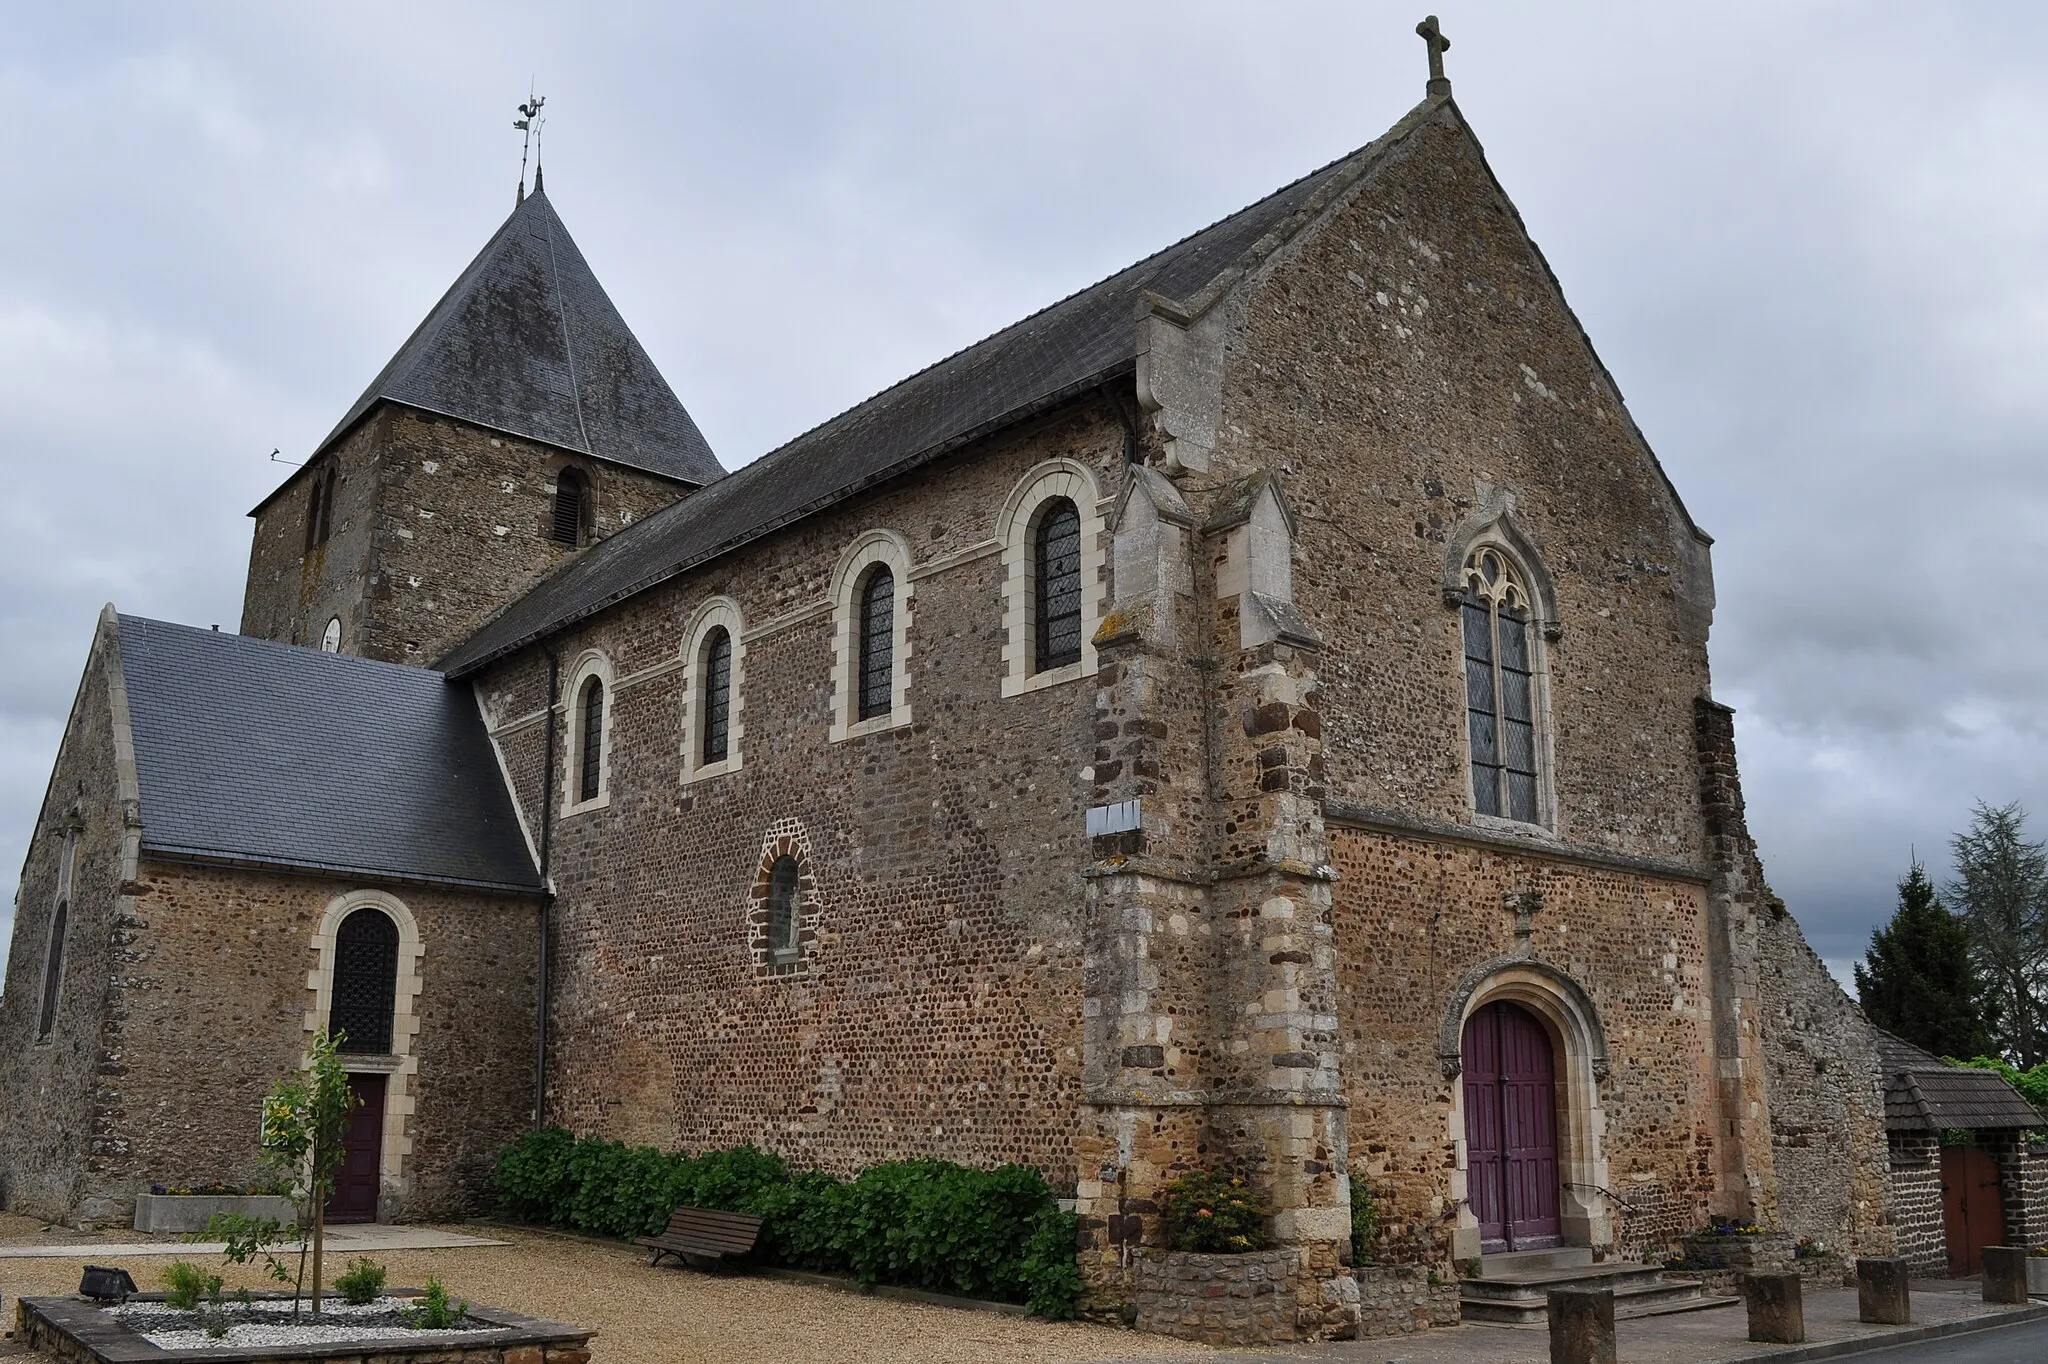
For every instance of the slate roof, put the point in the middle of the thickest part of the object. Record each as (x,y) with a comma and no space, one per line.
(1069,348)
(253,752)
(526,341)
(1923,1093)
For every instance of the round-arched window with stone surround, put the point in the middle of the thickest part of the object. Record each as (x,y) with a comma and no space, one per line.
(782,910)
(1496,619)
(365,982)
(330,638)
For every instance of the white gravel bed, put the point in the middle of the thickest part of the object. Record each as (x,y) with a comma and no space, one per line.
(176,1328)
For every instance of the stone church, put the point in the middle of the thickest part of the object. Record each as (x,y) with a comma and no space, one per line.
(1253,714)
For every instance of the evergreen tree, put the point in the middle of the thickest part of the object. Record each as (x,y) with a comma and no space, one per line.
(1919,983)
(2001,893)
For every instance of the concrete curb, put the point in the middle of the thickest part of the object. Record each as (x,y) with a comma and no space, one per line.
(1835,1349)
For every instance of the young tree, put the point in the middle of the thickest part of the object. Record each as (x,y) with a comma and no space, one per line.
(2001,893)
(305,1126)
(1919,983)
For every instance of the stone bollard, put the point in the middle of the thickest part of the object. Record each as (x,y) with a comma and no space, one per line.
(1777,1310)
(1882,1295)
(2005,1274)
(1581,1326)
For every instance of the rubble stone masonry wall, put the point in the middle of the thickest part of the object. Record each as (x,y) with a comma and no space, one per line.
(937,1006)
(437,524)
(212,1015)
(51,1133)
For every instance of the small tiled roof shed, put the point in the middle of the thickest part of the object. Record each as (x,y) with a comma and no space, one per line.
(1923,1093)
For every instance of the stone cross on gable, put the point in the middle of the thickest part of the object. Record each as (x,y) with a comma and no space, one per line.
(1432,33)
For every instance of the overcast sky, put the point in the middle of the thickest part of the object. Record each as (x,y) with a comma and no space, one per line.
(1808,240)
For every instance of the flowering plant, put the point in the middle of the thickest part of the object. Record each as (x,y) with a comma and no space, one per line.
(1206,1211)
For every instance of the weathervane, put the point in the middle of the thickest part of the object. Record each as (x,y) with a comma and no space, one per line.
(530,123)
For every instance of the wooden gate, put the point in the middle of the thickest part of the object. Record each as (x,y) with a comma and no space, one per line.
(357,1181)
(1511,1128)
(1972,1207)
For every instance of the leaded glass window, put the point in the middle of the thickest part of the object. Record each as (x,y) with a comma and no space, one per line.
(717,694)
(365,982)
(1500,705)
(592,755)
(782,906)
(877,627)
(1057,566)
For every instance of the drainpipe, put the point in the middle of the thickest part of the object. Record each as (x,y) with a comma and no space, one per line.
(547,903)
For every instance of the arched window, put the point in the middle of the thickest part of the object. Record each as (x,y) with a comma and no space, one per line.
(717,694)
(572,508)
(53,969)
(365,982)
(783,919)
(1500,694)
(1056,568)
(319,507)
(589,776)
(330,638)
(877,627)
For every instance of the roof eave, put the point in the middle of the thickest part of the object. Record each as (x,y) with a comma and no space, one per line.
(215,857)
(1037,407)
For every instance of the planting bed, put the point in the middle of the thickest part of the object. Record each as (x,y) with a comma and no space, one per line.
(147,1328)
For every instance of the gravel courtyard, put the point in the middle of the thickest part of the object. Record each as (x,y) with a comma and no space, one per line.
(665,1316)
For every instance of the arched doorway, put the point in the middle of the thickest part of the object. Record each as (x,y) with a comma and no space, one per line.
(1511,1162)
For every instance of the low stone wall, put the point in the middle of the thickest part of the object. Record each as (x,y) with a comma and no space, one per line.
(1721,1261)
(191,1212)
(76,1331)
(1263,1298)
(1395,1300)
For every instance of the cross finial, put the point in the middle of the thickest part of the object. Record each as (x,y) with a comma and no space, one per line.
(1432,33)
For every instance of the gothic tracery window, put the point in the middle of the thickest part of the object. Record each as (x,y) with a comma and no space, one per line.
(365,982)
(1056,571)
(717,695)
(1500,701)
(877,631)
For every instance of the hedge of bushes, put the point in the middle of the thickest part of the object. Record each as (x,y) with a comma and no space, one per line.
(996,1234)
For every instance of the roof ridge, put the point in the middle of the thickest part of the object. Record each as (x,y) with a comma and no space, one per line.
(1052,354)
(1402,127)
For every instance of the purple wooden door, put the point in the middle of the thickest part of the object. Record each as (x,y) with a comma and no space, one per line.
(1510,1129)
(356,1182)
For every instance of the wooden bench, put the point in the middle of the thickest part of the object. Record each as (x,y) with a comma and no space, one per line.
(699,1233)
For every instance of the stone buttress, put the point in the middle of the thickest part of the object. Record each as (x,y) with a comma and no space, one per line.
(1210,1009)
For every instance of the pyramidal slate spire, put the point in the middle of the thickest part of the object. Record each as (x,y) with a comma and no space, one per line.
(527,342)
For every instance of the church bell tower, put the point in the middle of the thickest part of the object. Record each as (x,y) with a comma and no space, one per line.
(519,424)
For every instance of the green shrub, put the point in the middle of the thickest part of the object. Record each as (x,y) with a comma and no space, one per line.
(532,1180)
(925,1223)
(362,1283)
(1207,1211)
(185,1284)
(432,1311)
(1365,1221)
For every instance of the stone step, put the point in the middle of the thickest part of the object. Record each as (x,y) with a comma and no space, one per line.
(1535,1285)
(1639,1291)
(1533,1261)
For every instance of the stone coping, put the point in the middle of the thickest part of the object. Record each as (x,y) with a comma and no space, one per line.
(80,1330)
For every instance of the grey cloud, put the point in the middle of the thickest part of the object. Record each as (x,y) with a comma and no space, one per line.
(1807,238)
